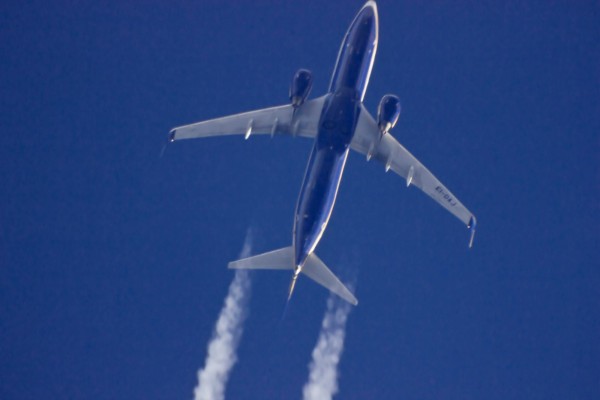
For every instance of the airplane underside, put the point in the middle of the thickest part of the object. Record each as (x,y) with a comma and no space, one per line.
(337,122)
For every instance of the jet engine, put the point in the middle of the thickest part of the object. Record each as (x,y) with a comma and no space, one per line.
(388,113)
(301,85)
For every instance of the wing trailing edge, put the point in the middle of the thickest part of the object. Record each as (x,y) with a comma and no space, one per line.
(369,141)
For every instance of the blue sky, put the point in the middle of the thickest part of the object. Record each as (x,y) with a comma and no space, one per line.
(113,260)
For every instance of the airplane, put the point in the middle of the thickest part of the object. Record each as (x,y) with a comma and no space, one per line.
(337,122)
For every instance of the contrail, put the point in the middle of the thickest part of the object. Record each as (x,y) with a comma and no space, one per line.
(323,374)
(228,330)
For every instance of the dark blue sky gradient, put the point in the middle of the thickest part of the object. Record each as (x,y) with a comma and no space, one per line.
(113,260)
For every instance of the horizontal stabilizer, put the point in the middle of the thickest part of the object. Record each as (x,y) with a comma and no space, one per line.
(276,259)
(314,268)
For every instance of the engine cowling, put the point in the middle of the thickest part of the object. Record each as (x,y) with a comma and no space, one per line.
(388,112)
(300,87)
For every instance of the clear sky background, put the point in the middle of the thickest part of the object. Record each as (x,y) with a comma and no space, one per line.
(113,260)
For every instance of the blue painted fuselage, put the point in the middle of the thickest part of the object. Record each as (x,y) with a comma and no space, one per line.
(336,129)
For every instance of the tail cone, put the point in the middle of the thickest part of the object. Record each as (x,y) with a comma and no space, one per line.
(293,282)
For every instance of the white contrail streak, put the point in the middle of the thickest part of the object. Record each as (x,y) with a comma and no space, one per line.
(223,346)
(323,374)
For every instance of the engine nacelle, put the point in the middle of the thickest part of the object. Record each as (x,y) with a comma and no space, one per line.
(388,112)
(300,87)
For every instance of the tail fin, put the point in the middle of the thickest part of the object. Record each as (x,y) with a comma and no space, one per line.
(314,268)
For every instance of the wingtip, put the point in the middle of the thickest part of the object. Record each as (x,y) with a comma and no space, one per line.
(472,225)
(172,135)
(234,265)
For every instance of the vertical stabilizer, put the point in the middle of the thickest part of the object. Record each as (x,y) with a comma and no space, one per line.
(293,282)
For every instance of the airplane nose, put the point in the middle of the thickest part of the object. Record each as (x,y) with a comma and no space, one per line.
(369,9)
(367,17)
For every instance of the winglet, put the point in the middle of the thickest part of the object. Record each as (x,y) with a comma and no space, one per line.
(471,226)
(170,139)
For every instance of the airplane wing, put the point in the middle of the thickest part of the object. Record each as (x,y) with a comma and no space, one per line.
(275,120)
(395,157)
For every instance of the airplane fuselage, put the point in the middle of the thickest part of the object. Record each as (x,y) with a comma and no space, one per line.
(336,129)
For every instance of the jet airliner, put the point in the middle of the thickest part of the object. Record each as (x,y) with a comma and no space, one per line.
(337,122)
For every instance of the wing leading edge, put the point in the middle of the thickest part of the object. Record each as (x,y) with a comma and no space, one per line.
(368,141)
(302,121)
